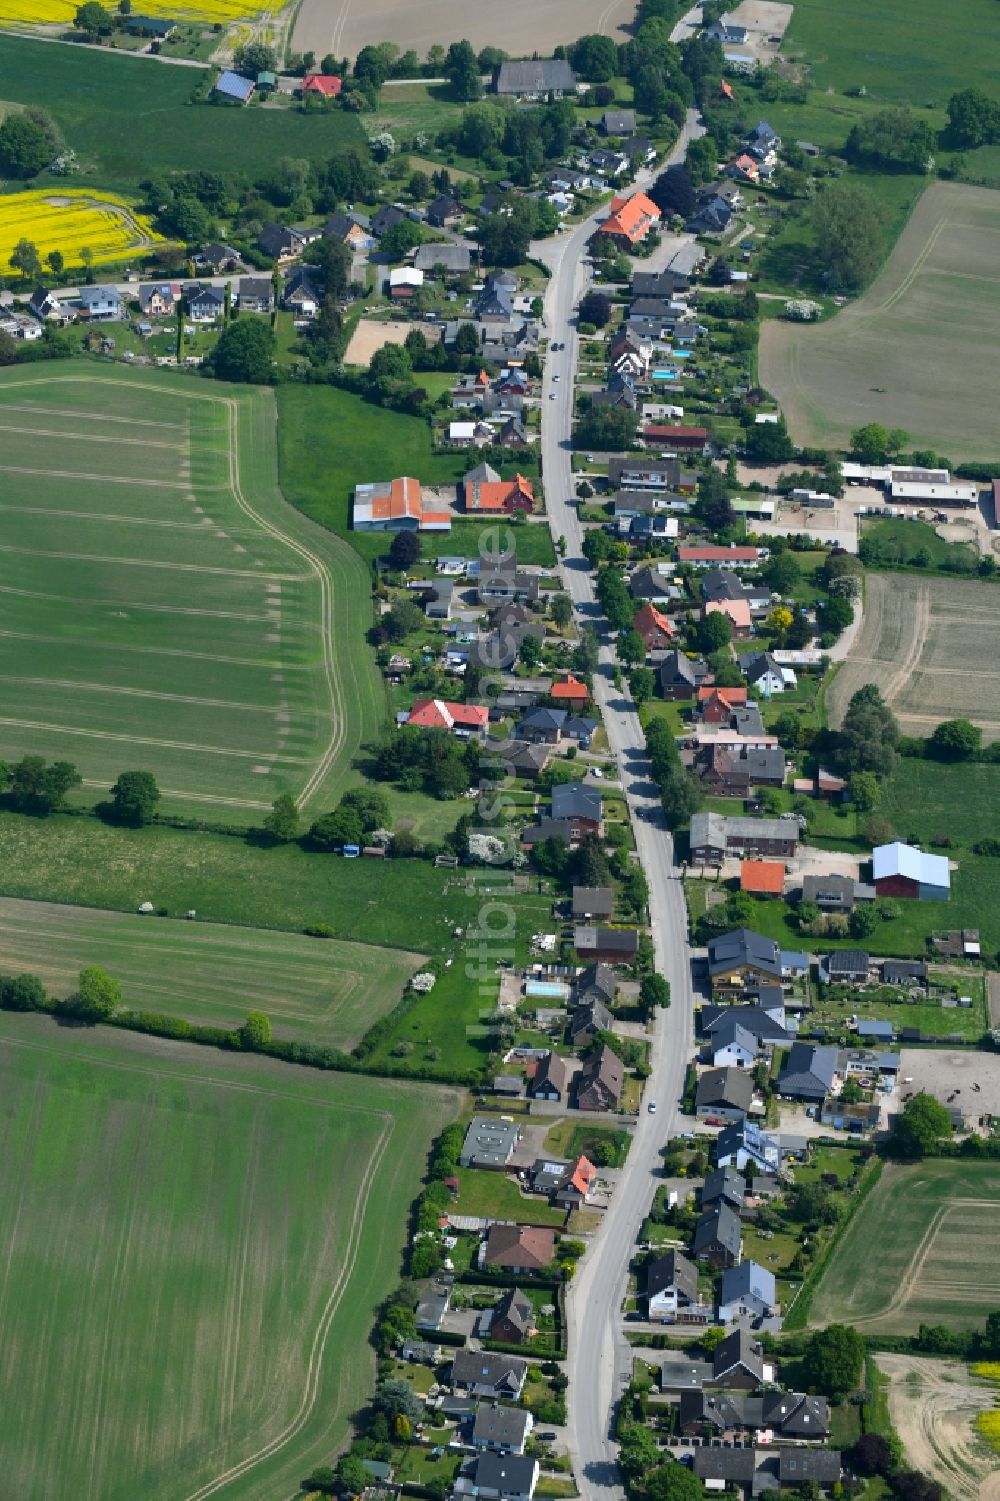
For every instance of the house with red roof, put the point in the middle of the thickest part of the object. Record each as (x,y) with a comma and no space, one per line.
(395,506)
(737,611)
(630,220)
(715,705)
(683,439)
(577,1185)
(323,85)
(744,169)
(762,877)
(485,492)
(570,691)
(438,714)
(654,628)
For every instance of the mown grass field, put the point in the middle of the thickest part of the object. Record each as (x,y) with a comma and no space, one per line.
(127,117)
(331,440)
(317,989)
(192,1250)
(938,1264)
(913,352)
(161,606)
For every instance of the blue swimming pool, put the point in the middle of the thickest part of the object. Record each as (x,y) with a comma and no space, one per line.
(664,374)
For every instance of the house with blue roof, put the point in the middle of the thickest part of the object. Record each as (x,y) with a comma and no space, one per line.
(234,87)
(747,1291)
(902,870)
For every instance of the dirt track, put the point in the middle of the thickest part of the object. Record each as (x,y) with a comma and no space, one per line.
(933,1405)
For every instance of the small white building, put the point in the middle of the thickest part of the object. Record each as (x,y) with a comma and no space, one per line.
(405,276)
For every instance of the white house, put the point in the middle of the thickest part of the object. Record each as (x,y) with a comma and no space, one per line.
(746,1290)
(732,1046)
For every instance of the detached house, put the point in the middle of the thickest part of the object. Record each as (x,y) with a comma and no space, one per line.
(630,220)
(501,1428)
(551,1079)
(512,1320)
(672,1291)
(742,958)
(498,1477)
(724,1094)
(718,1238)
(580,805)
(747,1291)
(159,299)
(523,1249)
(601,1080)
(488,1375)
(654,628)
(809,1073)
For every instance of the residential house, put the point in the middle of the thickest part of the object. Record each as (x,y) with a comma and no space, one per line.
(608,164)
(732,773)
(395,506)
(495,303)
(404,283)
(727,31)
(672,1290)
(720,1469)
(731,1045)
(767,675)
(470,434)
(204,304)
(615,945)
(875,1031)
(280,241)
(680,676)
(100,304)
(541,726)
(725,1185)
(346,229)
(514,434)
(798,1466)
(654,581)
(601,1080)
(571,691)
(901,870)
(715,555)
(744,168)
(712,214)
(217,258)
(507,586)
(718,1238)
(618,122)
(831,893)
(739,1363)
(489,1142)
(737,612)
(809,1073)
(156,299)
(596,983)
(501,1428)
(764,1023)
(586,1021)
(593,901)
(747,1291)
(48,309)
(723,1094)
(716,705)
(551,1079)
(630,220)
(577,1185)
(321,85)
(256,294)
(679,439)
(630,473)
(387,217)
(715,836)
(845,967)
(489,1375)
(301,294)
(654,628)
(233,87)
(522,759)
(762,877)
(762,141)
(453,260)
(444,211)
(439,714)
(910,973)
(512,1319)
(438,602)
(537,78)
(739,959)
(545,828)
(743,1142)
(484,492)
(523,1249)
(497,1477)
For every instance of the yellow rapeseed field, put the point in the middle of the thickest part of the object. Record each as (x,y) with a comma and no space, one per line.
(71,220)
(988,1369)
(988,1424)
(61,12)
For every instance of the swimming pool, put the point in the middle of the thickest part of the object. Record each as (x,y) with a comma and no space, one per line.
(664,374)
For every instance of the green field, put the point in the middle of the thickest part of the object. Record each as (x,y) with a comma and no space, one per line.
(331,440)
(934,1226)
(126,117)
(899,542)
(320,990)
(913,352)
(192,1251)
(162,607)
(927,800)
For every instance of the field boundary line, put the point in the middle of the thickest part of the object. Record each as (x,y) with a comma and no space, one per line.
(173,698)
(210,750)
(45,432)
(195,797)
(204,526)
(102,479)
(138,604)
(88,557)
(42,409)
(918,265)
(154,651)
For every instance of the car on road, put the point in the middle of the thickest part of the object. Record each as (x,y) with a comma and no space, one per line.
(557,377)
(651,1107)
(552,396)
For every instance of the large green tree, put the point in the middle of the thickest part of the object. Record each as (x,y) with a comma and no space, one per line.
(94,20)
(29,139)
(37,787)
(134,798)
(594,57)
(282,823)
(956,740)
(98,994)
(832,1361)
(849,225)
(461,68)
(869,734)
(922,1123)
(245,352)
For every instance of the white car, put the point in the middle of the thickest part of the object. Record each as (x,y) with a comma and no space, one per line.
(651,1107)
(552,396)
(557,377)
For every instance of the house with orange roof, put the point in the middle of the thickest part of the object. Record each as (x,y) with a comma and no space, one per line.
(737,612)
(762,877)
(715,705)
(654,628)
(323,85)
(395,506)
(744,169)
(630,220)
(570,691)
(438,714)
(577,1185)
(485,492)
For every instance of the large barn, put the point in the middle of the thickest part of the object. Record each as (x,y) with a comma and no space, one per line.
(900,870)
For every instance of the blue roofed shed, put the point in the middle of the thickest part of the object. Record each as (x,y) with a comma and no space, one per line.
(232,86)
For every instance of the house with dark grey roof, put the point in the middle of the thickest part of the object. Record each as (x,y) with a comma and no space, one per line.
(766,1025)
(672,1290)
(444,210)
(797,1466)
(724,1467)
(536,78)
(723,1185)
(831,893)
(489,1142)
(747,1291)
(717,1237)
(598,982)
(593,901)
(512,1319)
(551,1080)
(845,967)
(587,1020)
(741,958)
(498,1477)
(501,1428)
(542,725)
(618,122)
(580,804)
(724,1094)
(738,1363)
(453,259)
(681,676)
(614,945)
(601,1080)
(809,1073)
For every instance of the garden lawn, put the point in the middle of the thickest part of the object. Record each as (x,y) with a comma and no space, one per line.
(494,1196)
(902,541)
(330,441)
(572,1140)
(193,1249)
(127,118)
(315,989)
